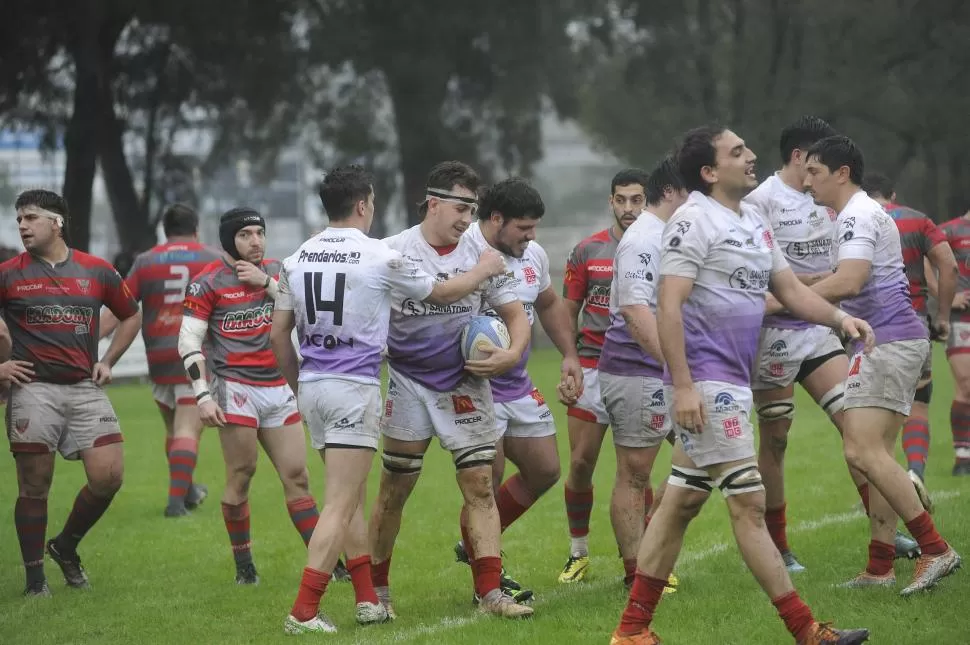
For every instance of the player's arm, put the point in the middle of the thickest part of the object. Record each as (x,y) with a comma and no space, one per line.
(932,285)
(636,275)
(6,343)
(490,263)
(943,270)
(280,336)
(196,309)
(554,315)
(574,285)
(125,308)
(249,273)
(856,249)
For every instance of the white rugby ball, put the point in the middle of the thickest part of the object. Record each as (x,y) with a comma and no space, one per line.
(483,332)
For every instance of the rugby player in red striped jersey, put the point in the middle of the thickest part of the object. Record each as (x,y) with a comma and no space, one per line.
(158,278)
(231,305)
(958,346)
(50,296)
(925,252)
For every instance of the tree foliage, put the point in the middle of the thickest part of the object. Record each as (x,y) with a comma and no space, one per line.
(886,73)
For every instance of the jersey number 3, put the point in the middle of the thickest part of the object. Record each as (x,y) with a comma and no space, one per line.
(176,284)
(312,292)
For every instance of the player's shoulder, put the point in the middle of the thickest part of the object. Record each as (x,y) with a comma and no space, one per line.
(765,192)
(16,263)
(213,270)
(91,262)
(404,238)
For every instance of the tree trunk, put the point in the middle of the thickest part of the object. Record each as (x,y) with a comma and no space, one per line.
(134,230)
(416,102)
(81,138)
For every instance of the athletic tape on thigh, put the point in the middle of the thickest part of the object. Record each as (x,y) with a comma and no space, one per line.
(471,457)
(691,478)
(780,409)
(924,394)
(402,463)
(833,401)
(740,480)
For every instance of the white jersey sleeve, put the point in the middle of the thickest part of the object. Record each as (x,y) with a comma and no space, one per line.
(686,243)
(857,236)
(406,277)
(284,295)
(636,268)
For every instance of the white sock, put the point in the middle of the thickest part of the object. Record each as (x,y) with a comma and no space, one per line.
(579,546)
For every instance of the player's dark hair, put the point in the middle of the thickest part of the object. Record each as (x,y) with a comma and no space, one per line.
(661,178)
(837,151)
(801,134)
(696,151)
(179,220)
(342,188)
(46,199)
(123,262)
(877,184)
(629,177)
(514,198)
(448,174)
(49,201)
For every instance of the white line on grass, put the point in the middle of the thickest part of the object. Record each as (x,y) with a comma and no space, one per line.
(687,558)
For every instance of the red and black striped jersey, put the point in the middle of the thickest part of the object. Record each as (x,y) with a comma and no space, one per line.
(958,235)
(53,312)
(240,317)
(917,235)
(588,278)
(158,279)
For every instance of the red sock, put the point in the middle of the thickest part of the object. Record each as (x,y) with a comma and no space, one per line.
(644,596)
(796,614)
(960,425)
(579,506)
(236,517)
(881,556)
(923,531)
(488,575)
(647,499)
(916,443)
(312,587)
(864,494)
(513,499)
(775,520)
(303,514)
(362,579)
(629,570)
(466,540)
(379,572)
(88,509)
(183,453)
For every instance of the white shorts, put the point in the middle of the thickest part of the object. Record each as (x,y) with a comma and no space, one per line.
(256,406)
(590,407)
(167,396)
(525,417)
(783,352)
(340,412)
(887,377)
(958,341)
(728,435)
(637,409)
(462,418)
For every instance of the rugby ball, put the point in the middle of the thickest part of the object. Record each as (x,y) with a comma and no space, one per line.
(483,332)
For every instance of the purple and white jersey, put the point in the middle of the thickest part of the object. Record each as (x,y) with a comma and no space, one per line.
(339,285)
(731,259)
(802,229)
(867,232)
(424,339)
(636,272)
(527,276)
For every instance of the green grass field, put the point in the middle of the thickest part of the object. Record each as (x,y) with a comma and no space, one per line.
(157,580)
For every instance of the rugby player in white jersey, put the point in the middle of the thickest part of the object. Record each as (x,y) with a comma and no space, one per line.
(508,215)
(336,290)
(792,350)
(631,365)
(433,392)
(718,261)
(869,279)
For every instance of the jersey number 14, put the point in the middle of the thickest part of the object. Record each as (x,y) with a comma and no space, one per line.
(313,296)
